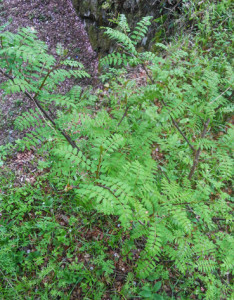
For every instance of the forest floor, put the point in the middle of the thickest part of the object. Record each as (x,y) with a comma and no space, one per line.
(55,22)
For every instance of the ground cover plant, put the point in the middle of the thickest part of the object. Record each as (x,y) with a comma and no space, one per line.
(131,198)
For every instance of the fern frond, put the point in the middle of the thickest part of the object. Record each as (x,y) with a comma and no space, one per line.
(122,39)
(114,59)
(28,119)
(154,241)
(74,156)
(141,29)
(123,23)
(145,267)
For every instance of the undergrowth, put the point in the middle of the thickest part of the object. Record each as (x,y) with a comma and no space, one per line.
(133,200)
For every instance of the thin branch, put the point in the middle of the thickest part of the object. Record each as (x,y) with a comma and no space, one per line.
(67,137)
(165,174)
(148,74)
(99,163)
(198,152)
(5,54)
(220,95)
(7,280)
(37,103)
(112,192)
(177,127)
(124,115)
(52,114)
(172,119)
(44,80)
(220,219)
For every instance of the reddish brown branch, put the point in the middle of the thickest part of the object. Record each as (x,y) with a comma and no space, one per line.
(124,115)
(99,163)
(172,119)
(198,152)
(46,115)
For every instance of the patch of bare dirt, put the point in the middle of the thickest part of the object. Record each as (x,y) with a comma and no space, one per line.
(55,22)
